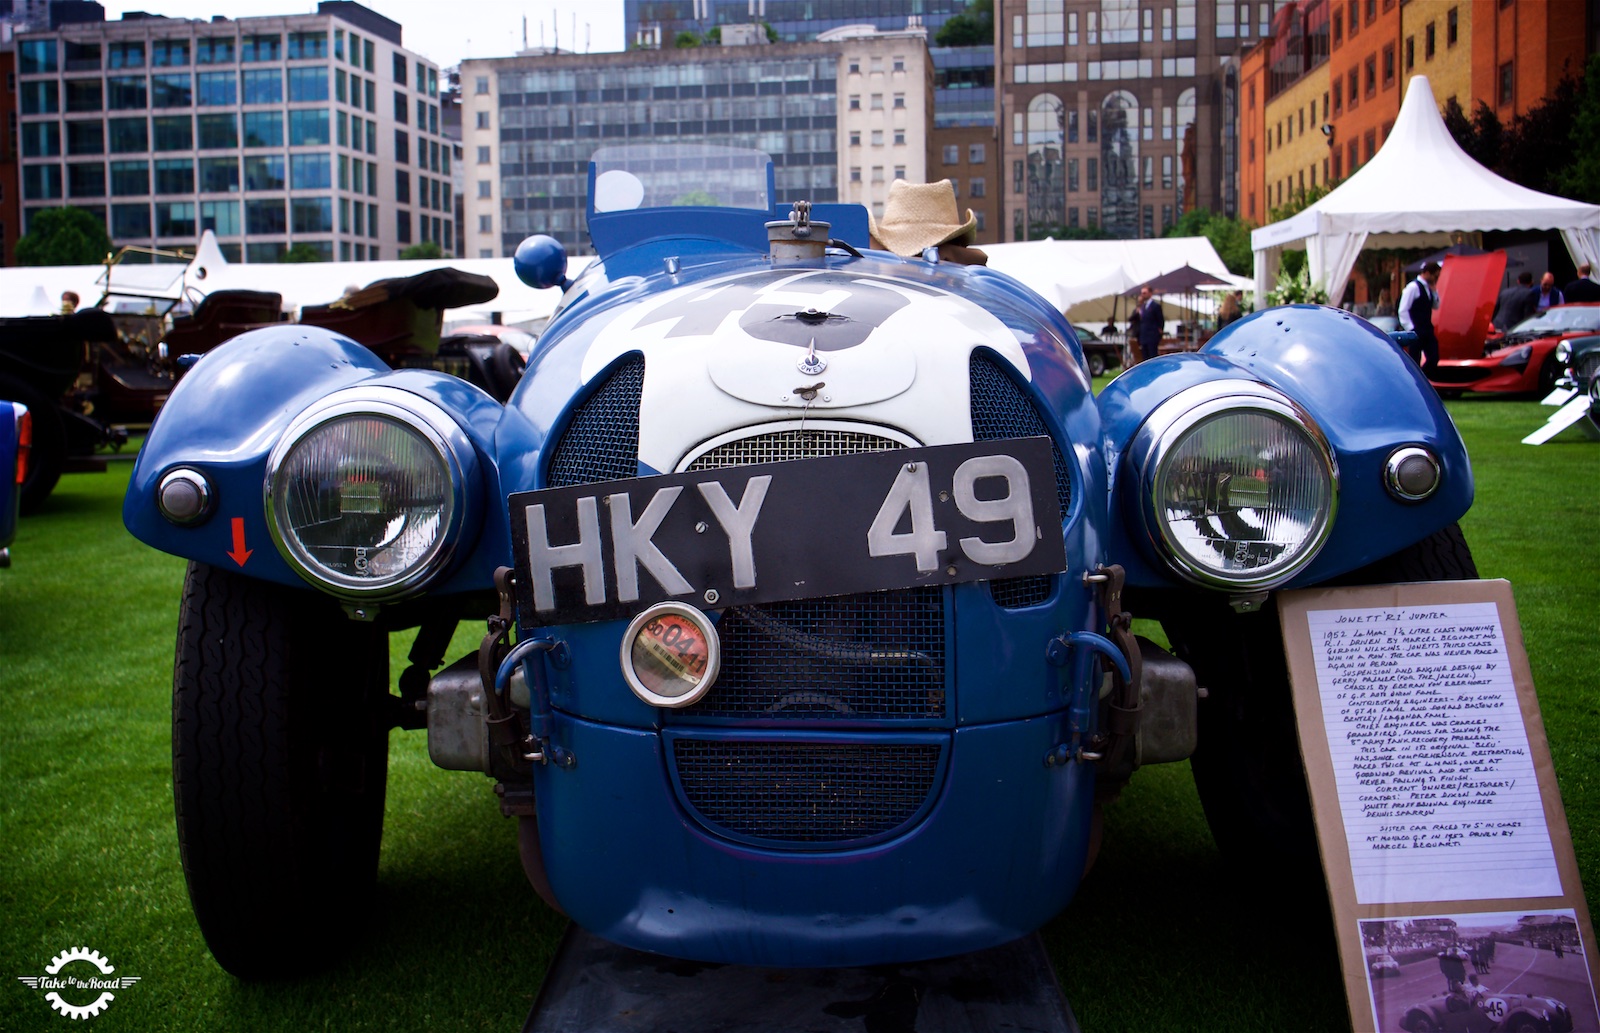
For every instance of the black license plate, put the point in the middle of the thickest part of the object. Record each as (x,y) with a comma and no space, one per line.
(801,529)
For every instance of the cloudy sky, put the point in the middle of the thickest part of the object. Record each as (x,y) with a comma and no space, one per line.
(444,31)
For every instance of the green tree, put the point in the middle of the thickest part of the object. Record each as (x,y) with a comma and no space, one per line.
(1581,177)
(973,27)
(1056,231)
(1230,237)
(1481,136)
(63,236)
(301,252)
(685,40)
(426,249)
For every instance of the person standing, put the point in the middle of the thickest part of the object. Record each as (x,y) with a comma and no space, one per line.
(1547,294)
(1152,322)
(1583,288)
(1229,310)
(1417,303)
(1515,303)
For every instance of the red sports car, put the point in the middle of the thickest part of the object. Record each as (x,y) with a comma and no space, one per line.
(1523,361)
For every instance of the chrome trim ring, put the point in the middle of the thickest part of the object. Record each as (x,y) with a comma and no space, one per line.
(1396,475)
(433,425)
(713,655)
(184,496)
(1168,426)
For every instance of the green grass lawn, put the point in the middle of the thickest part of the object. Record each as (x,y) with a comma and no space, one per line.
(1159,938)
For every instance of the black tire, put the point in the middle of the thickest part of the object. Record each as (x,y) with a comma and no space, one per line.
(1549,373)
(1247,766)
(279,765)
(1097,364)
(48,457)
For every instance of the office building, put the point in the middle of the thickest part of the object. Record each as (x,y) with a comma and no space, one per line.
(318,129)
(658,23)
(885,112)
(963,147)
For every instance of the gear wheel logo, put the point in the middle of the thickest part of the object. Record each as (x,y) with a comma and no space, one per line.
(80,973)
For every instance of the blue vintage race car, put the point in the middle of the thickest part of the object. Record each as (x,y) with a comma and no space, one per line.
(804,571)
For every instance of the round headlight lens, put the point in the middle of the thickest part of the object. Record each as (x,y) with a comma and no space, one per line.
(1564,351)
(365,499)
(671,655)
(1243,492)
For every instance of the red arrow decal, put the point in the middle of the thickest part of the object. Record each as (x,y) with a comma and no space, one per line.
(239,553)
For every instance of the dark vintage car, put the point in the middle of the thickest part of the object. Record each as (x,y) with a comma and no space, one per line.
(1524,360)
(1100,353)
(1381,965)
(16,439)
(803,571)
(1463,1012)
(1580,357)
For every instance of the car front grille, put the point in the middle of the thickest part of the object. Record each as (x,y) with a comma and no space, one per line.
(1587,367)
(601,442)
(805,793)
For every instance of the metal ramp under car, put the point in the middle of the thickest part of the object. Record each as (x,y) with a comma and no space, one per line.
(598,987)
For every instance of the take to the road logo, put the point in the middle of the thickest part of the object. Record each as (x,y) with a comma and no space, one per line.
(78,983)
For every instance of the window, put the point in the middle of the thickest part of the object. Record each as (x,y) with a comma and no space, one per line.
(485,188)
(309,84)
(975,154)
(1388,66)
(422,112)
(483,120)
(1091,177)
(306,46)
(433,118)
(402,107)
(1338,27)
(402,145)
(1072,175)
(220,217)
(877,102)
(1353,87)
(129,135)
(481,86)
(308,127)
(1355,20)
(262,86)
(169,53)
(37,56)
(219,176)
(1411,52)
(86,180)
(899,64)
(128,54)
(175,176)
(214,51)
(1338,96)
(899,172)
(372,178)
(175,219)
(402,227)
(130,178)
(1370,144)
(877,138)
(877,65)
(855,66)
(265,217)
(216,132)
(952,154)
(355,50)
(39,98)
(402,186)
(261,48)
(264,172)
(371,96)
(312,214)
(171,90)
(1508,83)
(877,174)
(86,137)
(855,102)
(84,95)
(130,221)
(433,155)
(1451,25)
(173,133)
(127,93)
(483,155)
(855,173)
(900,137)
(216,89)
(900,100)
(263,129)
(41,139)
(1372,75)
(310,171)
(372,138)
(400,68)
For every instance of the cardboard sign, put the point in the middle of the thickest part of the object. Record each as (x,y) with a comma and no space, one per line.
(1449,863)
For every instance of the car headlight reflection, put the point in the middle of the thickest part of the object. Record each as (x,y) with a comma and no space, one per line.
(1240,485)
(365,493)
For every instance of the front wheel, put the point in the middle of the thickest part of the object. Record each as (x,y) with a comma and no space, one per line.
(48,456)
(279,765)
(1247,766)
(1097,364)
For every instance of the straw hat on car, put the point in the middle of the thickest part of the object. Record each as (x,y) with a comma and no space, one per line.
(918,216)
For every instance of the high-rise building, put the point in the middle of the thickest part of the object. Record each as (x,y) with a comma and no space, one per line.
(308,129)
(963,147)
(10,210)
(1117,114)
(885,111)
(658,23)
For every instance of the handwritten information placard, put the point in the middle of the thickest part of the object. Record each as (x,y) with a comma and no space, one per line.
(1430,754)
(1436,805)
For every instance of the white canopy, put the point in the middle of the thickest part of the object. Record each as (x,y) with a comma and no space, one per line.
(1415,191)
(1068,273)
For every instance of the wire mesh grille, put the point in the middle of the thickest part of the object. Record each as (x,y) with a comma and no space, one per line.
(782,445)
(601,443)
(1587,366)
(1000,409)
(806,792)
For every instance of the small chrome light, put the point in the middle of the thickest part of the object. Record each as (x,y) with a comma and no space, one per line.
(671,655)
(184,496)
(1412,473)
(1564,352)
(1240,485)
(366,492)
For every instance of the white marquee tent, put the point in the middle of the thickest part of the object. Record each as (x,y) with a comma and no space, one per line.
(1069,273)
(1418,189)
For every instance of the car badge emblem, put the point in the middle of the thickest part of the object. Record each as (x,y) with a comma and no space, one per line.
(812,364)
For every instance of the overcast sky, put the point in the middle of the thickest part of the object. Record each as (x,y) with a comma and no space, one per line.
(444,31)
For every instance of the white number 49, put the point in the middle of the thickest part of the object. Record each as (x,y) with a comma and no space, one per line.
(912,494)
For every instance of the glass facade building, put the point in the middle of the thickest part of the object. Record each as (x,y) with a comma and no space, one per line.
(268,131)
(657,23)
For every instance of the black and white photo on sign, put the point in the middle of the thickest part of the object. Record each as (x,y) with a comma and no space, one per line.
(1508,970)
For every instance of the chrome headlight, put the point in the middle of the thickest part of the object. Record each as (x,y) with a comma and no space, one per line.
(1564,352)
(1239,484)
(364,492)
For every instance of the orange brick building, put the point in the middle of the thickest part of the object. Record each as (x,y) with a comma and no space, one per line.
(1521,49)
(1252,135)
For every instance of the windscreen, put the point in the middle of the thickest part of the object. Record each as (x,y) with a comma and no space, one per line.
(672,175)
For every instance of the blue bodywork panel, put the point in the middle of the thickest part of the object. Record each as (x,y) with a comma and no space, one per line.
(10,496)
